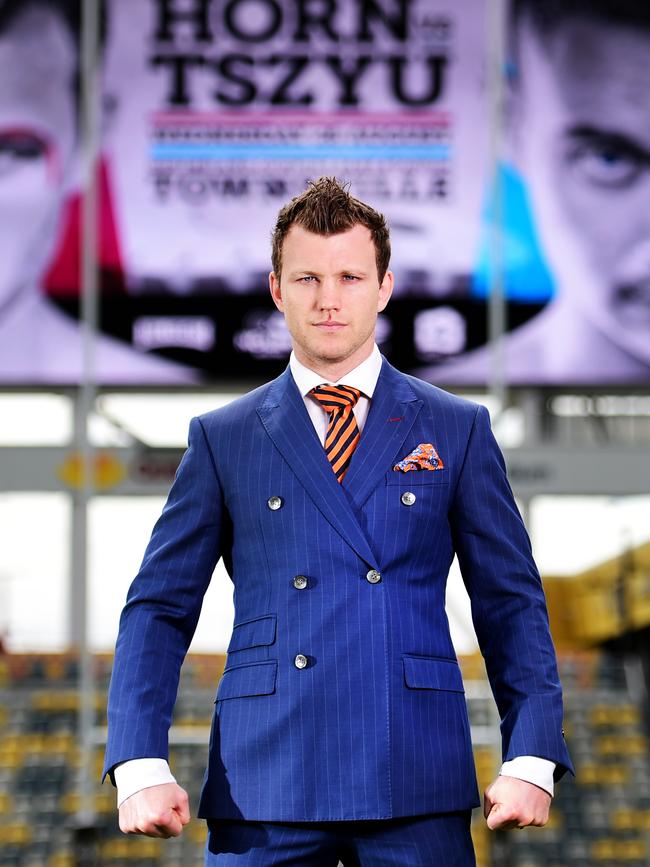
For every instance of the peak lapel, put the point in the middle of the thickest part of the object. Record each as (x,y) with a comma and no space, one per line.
(287,422)
(393,410)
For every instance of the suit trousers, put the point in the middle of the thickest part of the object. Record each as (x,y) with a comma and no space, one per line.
(414,841)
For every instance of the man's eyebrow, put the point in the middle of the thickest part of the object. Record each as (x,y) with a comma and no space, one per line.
(613,139)
(307,272)
(357,272)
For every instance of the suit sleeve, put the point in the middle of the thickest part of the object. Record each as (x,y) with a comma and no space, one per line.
(162,609)
(508,603)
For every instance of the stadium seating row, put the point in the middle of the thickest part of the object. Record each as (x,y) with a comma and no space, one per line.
(601,818)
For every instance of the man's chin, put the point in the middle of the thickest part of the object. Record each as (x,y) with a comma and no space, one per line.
(629,329)
(636,343)
(332,352)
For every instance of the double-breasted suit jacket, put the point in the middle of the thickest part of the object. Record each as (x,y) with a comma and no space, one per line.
(341,697)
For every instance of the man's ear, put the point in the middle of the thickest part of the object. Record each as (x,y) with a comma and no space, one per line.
(385,290)
(276,292)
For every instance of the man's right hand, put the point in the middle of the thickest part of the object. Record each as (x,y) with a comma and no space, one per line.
(158,811)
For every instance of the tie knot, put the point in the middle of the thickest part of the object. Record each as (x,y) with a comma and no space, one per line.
(335,397)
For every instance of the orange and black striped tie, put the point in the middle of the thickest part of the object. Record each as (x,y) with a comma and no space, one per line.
(342,430)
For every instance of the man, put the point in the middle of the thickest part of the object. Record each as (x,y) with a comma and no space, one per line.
(337,495)
(39,80)
(580,135)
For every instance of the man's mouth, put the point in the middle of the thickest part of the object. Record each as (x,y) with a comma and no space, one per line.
(330,325)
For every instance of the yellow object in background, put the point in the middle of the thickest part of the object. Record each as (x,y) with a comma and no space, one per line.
(107,471)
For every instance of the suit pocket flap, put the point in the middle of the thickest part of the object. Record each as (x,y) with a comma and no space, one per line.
(253,633)
(258,678)
(429,672)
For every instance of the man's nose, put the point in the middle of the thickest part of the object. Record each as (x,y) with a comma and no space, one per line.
(329,297)
(634,266)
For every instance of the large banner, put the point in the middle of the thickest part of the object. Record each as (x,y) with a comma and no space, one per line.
(216,112)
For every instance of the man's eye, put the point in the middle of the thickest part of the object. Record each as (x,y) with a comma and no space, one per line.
(606,165)
(21,146)
(308,278)
(19,149)
(350,277)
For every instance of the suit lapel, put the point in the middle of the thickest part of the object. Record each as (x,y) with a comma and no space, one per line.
(287,422)
(393,410)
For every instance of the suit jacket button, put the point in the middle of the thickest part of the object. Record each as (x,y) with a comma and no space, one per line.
(373,577)
(408,498)
(300,661)
(274,503)
(300,582)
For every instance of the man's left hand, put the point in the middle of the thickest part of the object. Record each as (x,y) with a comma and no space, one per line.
(512,803)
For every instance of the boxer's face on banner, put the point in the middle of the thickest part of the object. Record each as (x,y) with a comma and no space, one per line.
(581,128)
(37,134)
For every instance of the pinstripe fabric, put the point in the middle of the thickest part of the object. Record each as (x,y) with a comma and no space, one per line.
(342,435)
(375,725)
(420,841)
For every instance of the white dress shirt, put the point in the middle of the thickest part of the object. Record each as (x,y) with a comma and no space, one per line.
(137,774)
(364,378)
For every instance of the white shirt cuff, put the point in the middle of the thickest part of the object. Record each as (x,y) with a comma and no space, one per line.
(532,769)
(137,774)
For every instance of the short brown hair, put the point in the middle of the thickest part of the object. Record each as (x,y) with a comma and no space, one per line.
(327,208)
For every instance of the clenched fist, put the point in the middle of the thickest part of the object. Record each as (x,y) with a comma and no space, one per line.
(158,811)
(513,803)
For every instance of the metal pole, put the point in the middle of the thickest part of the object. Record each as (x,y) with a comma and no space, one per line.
(496,55)
(532,405)
(89,148)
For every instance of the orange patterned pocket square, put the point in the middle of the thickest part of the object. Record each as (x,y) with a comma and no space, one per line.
(423,457)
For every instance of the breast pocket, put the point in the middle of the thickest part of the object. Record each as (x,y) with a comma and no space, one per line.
(407,512)
(416,478)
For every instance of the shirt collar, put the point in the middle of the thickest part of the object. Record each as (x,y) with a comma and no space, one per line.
(363,377)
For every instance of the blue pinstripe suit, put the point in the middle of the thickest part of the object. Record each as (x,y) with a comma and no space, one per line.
(375,725)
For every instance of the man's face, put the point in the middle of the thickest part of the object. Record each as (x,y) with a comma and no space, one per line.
(330,295)
(582,136)
(37,131)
